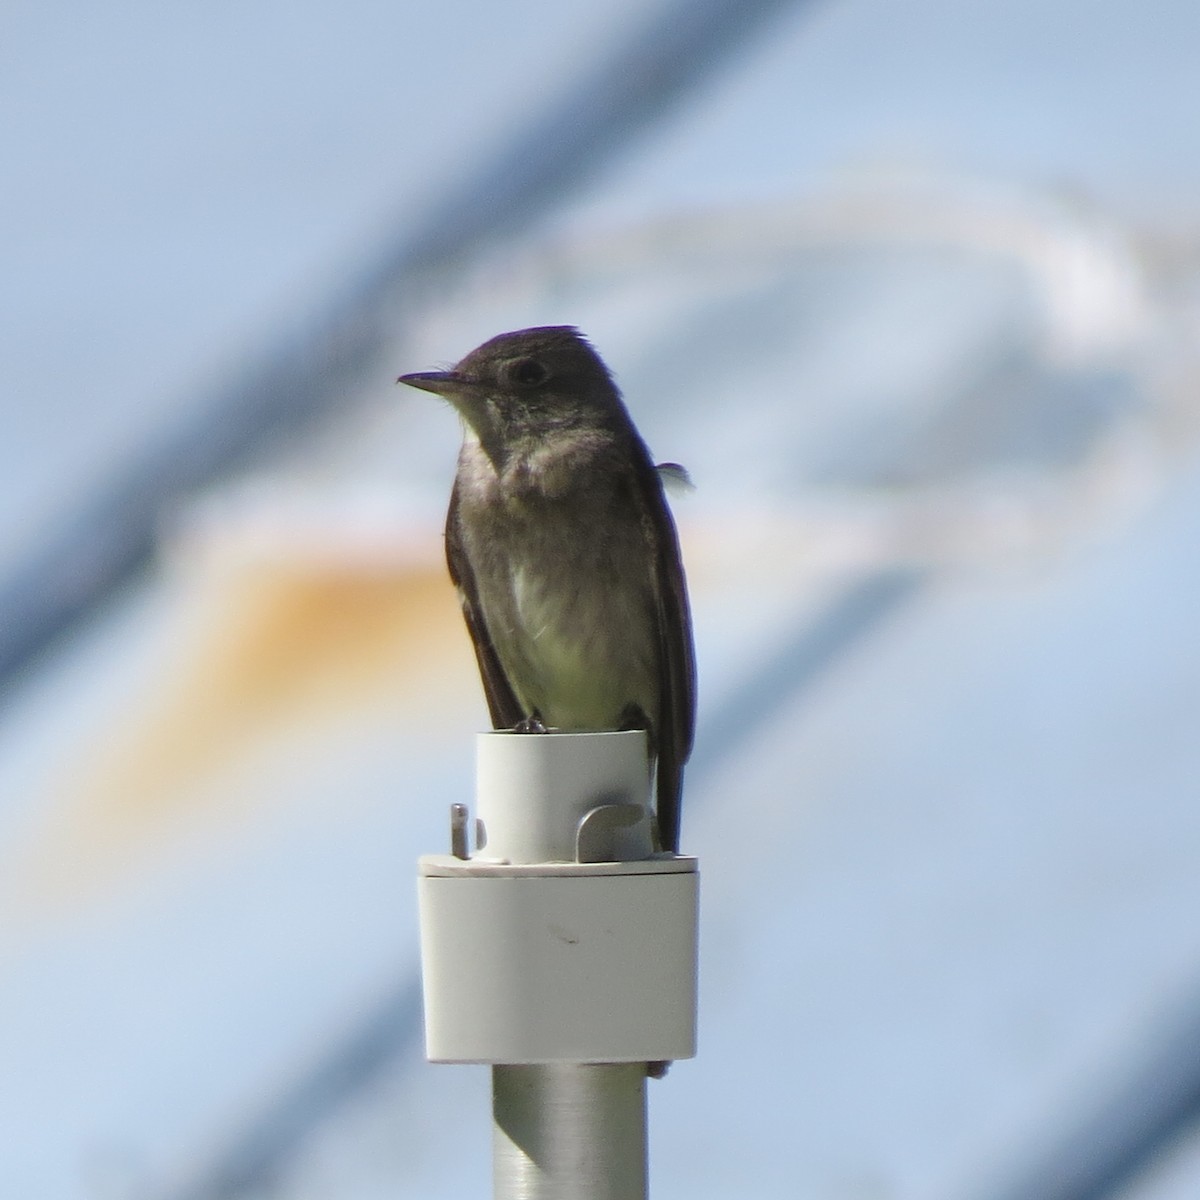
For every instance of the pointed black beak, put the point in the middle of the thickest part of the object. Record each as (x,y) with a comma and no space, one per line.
(441,383)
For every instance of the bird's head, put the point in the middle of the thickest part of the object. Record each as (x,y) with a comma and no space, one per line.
(523,385)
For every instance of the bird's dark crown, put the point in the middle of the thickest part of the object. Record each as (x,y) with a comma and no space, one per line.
(550,360)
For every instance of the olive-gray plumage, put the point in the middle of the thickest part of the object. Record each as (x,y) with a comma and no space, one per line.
(564,553)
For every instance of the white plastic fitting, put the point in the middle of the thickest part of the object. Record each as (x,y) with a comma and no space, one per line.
(531,955)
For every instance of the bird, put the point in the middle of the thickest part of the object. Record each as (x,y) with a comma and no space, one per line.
(564,552)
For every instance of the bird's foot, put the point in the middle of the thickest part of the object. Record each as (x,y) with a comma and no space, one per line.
(531,724)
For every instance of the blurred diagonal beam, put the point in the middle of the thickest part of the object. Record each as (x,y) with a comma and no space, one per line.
(1103,1153)
(798,663)
(76,567)
(254,1163)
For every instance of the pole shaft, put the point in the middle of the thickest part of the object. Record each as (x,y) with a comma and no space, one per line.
(569,1131)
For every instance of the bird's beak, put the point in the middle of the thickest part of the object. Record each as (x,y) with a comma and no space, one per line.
(441,383)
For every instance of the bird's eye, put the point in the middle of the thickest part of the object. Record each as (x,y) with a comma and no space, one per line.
(527,372)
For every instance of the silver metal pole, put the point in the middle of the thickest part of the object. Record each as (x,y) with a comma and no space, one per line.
(567,1131)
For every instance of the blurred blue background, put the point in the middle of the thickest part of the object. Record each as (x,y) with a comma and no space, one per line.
(912,289)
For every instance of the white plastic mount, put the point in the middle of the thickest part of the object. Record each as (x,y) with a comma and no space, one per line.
(563,938)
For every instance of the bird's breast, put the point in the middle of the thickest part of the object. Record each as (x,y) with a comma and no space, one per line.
(565,589)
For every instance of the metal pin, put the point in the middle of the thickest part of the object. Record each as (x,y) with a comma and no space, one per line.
(459,845)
